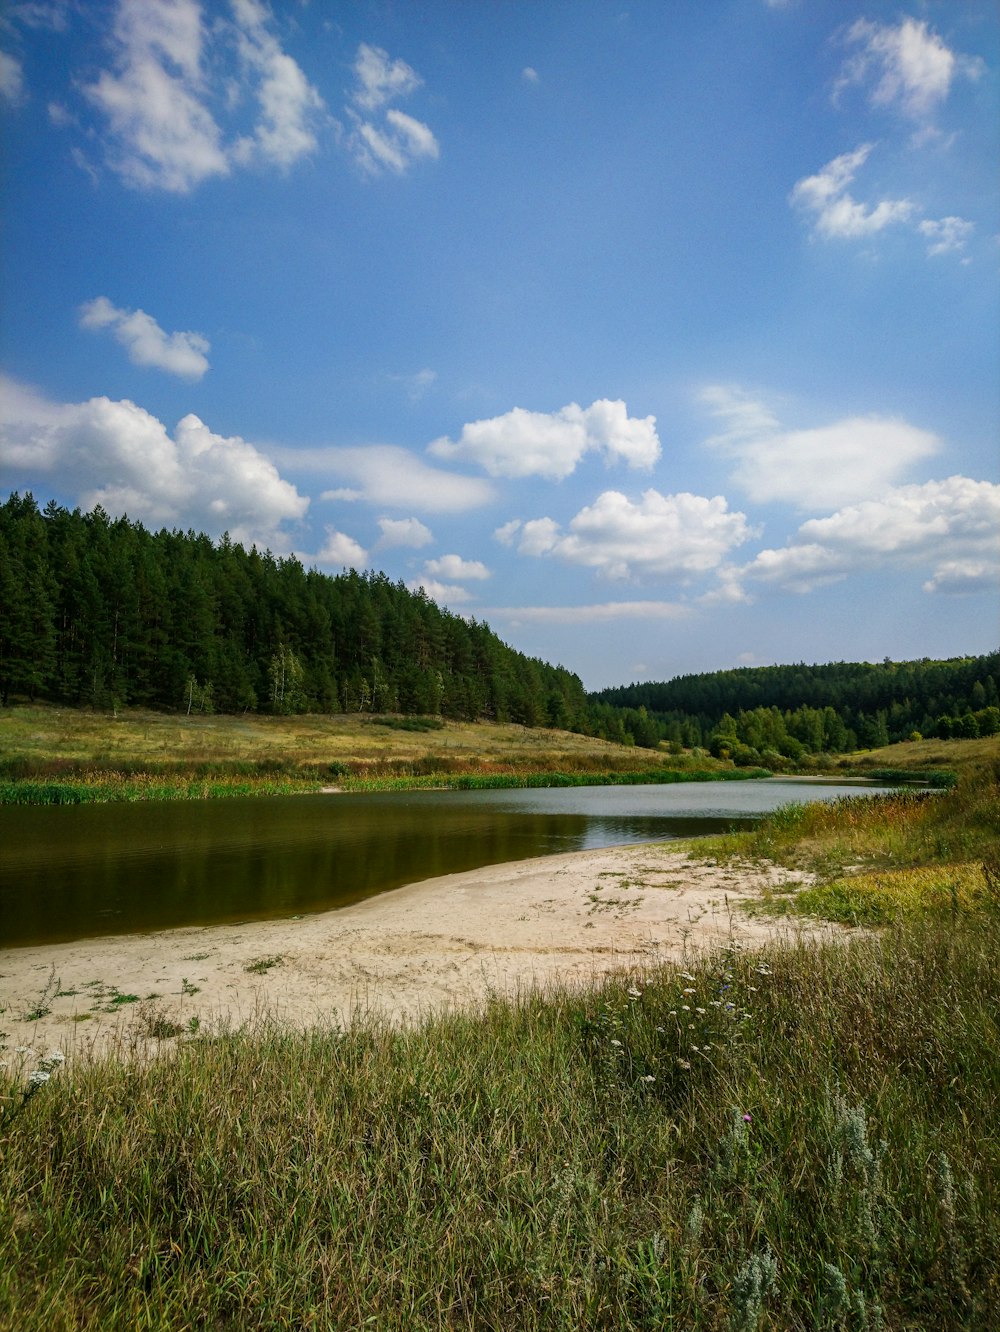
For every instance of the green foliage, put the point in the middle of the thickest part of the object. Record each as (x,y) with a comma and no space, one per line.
(830,709)
(103,613)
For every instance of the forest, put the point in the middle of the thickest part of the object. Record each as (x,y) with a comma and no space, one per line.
(789,711)
(100,612)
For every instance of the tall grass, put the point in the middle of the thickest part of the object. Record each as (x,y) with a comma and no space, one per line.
(801,1137)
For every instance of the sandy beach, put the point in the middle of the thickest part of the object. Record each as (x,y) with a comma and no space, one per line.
(443,943)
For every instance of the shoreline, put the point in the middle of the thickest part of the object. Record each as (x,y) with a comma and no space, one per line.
(443,943)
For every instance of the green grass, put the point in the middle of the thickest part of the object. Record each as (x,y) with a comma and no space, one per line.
(797,1138)
(55,756)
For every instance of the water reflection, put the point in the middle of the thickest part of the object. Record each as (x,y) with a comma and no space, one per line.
(73,872)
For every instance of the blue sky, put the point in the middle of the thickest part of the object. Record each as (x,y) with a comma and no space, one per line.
(661,336)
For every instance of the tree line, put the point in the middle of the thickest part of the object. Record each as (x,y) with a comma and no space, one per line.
(101,612)
(766,712)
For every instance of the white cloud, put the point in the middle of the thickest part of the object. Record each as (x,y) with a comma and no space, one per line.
(529,75)
(379,79)
(404,532)
(906,67)
(663,536)
(289,104)
(163,134)
(453,566)
(551,444)
(951,527)
(947,235)
(959,577)
(599,613)
(821,467)
(339,551)
(836,214)
(443,593)
(182,354)
(11,79)
(391,477)
(117,454)
(158,96)
(396,140)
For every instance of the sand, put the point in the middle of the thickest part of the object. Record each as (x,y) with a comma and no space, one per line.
(444,943)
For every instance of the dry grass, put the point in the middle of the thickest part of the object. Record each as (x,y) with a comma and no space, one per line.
(43,734)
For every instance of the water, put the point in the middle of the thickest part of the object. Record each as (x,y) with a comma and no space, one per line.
(70,872)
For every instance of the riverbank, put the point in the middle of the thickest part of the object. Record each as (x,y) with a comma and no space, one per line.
(446,943)
(799,1134)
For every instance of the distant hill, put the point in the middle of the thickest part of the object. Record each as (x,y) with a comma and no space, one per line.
(100,612)
(791,710)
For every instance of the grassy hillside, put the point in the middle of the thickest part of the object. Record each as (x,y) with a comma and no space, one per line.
(139,754)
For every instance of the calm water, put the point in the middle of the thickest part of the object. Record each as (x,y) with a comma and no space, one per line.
(78,871)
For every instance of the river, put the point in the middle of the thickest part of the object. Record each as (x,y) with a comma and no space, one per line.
(71,872)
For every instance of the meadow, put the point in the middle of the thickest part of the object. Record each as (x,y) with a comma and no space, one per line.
(800,1137)
(51,755)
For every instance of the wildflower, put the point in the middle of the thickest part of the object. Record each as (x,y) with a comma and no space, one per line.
(54,1057)
(685,1008)
(661,1029)
(690,990)
(700,1010)
(695,1049)
(647,1077)
(618,1043)
(38,1077)
(672,1013)
(684,1063)
(634,994)
(747,1119)
(686,975)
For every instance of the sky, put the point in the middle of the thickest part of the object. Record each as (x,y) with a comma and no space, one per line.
(662,337)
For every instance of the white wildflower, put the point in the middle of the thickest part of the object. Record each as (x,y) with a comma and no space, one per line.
(39,1076)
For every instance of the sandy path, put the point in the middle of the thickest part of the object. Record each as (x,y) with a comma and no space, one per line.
(444,942)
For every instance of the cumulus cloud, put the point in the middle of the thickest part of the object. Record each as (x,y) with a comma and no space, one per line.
(383,138)
(158,103)
(906,67)
(835,212)
(392,477)
(551,444)
(821,467)
(447,594)
(182,354)
(11,79)
(664,536)
(116,454)
(339,551)
(403,532)
(453,566)
(529,74)
(950,528)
